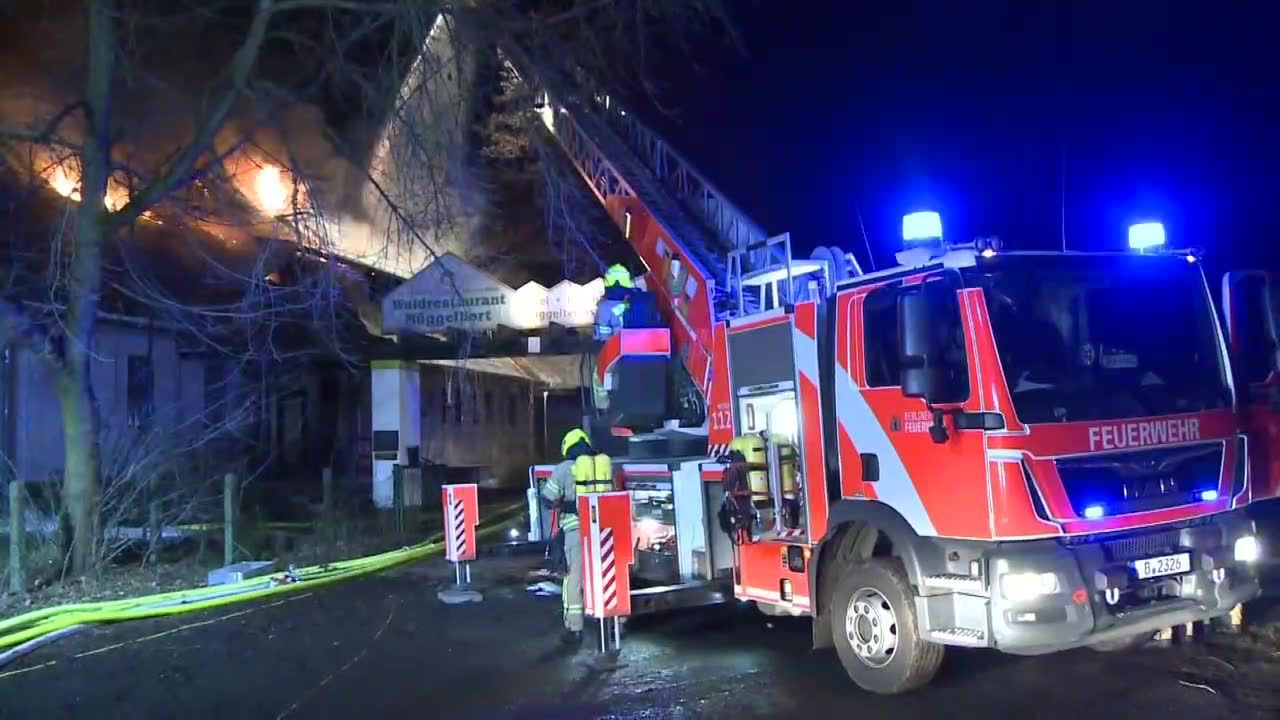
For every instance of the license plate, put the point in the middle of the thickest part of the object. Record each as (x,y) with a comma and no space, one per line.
(1163,565)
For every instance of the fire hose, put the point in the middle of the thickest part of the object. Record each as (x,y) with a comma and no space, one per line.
(25,633)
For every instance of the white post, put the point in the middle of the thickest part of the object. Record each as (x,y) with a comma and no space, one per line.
(396,407)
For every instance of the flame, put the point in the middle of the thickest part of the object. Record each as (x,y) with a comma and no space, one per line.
(273,194)
(65,186)
(277,190)
(65,180)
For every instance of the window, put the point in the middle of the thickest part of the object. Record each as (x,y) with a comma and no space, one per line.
(444,404)
(880,337)
(512,406)
(475,406)
(215,392)
(488,407)
(140,391)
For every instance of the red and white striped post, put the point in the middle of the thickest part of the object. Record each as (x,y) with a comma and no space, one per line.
(461,515)
(606,560)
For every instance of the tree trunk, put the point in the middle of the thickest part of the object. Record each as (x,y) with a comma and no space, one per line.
(75,382)
(80,479)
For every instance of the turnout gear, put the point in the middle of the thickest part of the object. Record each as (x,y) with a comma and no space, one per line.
(582,471)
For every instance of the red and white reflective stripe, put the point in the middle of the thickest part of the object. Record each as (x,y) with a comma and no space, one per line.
(457,528)
(895,486)
(608,569)
(716,452)
(787,533)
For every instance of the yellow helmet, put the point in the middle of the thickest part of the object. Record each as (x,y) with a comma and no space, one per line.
(617,275)
(571,438)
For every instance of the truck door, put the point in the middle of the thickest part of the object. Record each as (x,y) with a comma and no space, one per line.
(1249,302)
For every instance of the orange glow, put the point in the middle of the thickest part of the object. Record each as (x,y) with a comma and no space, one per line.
(64,178)
(273,194)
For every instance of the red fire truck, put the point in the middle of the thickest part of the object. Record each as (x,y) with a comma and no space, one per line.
(1251,304)
(1013,450)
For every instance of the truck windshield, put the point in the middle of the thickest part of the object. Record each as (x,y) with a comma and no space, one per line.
(1103,337)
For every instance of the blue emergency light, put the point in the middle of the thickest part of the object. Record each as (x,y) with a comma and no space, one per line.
(1146,235)
(924,225)
(1093,512)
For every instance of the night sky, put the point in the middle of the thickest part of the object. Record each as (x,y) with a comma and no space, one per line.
(1155,111)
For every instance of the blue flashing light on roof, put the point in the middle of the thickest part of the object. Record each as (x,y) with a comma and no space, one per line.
(925,225)
(1208,495)
(1146,235)
(1093,512)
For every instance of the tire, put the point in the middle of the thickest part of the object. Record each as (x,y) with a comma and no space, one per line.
(1122,644)
(867,597)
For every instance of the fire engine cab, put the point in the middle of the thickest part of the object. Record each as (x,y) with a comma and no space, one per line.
(1021,451)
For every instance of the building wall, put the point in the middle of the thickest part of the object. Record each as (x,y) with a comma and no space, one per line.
(177,399)
(474,419)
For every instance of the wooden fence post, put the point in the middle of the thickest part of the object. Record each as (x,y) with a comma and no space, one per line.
(17,537)
(230,511)
(326,512)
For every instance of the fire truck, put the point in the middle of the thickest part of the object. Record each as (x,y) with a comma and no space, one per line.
(981,448)
(1251,306)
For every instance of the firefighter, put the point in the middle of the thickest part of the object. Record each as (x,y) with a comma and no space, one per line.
(613,305)
(581,472)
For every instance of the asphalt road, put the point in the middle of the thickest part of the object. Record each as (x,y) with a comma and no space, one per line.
(386,647)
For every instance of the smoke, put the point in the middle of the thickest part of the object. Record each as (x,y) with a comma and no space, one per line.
(387,184)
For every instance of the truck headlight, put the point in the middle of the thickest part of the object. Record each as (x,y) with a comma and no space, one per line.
(1247,549)
(1021,586)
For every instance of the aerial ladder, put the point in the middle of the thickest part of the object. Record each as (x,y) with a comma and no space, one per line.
(706,260)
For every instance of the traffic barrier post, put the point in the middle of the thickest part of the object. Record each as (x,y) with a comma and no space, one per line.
(461,515)
(607,555)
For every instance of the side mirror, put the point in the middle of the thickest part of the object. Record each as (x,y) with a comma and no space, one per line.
(925,315)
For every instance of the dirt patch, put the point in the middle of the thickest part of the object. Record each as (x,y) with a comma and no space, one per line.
(1245,668)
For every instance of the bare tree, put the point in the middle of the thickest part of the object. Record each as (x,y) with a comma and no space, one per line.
(285,146)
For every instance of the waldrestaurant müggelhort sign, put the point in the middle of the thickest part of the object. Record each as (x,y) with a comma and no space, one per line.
(449,293)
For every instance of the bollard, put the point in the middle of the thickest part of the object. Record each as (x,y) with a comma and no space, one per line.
(230,508)
(461,515)
(607,554)
(397,500)
(17,536)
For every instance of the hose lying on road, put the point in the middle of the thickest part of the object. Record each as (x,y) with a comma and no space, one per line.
(31,628)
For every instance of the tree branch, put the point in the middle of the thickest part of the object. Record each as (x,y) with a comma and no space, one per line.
(241,65)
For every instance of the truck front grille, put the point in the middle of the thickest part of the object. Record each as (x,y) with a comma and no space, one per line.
(1130,482)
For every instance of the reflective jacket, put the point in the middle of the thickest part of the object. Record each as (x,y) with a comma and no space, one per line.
(580,476)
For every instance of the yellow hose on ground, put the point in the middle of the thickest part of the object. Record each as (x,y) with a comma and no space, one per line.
(41,622)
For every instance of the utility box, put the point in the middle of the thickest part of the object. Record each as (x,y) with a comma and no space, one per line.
(238,572)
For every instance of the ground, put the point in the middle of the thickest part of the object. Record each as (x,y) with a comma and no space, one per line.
(384,646)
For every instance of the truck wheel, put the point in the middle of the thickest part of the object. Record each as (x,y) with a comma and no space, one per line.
(875,630)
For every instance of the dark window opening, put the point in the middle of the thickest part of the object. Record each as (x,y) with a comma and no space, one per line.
(880,337)
(140,391)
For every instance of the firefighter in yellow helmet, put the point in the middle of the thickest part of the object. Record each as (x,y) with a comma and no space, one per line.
(582,471)
(613,305)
